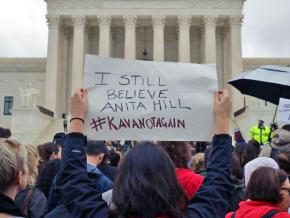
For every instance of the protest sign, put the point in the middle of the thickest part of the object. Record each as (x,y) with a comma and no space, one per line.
(284,110)
(145,100)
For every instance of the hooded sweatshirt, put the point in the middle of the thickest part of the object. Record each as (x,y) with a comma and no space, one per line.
(189,181)
(256,209)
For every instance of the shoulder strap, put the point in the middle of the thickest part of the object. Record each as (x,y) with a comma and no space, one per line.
(26,201)
(270,214)
(233,215)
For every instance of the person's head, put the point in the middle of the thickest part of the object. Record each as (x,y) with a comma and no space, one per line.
(283,160)
(245,152)
(237,171)
(179,152)
(13,167)
(286,127)
(45,152)
(142,185)
(114,157)
(96,151)
(46,175)
(5,133)
(281,138)
(251,166)
(32,162)
(57,143)
(269,185)
(261,124)
(256,145)
(198,162)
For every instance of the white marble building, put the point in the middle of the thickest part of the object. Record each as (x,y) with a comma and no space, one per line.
(193,31)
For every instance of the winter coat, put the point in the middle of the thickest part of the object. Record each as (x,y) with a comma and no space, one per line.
(256,209)
(189,181)
(83,200)
(109,171)
(238,194)
(36,202)
(8,206)
(56,206)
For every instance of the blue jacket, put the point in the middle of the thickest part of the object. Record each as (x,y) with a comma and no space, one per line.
(82,199)
(103,183)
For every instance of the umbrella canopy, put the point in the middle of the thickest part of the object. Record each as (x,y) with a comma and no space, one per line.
(269,83)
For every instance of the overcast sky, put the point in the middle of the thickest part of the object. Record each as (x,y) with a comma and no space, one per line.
(265,33)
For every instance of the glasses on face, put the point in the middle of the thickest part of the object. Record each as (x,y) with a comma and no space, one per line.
(286,189)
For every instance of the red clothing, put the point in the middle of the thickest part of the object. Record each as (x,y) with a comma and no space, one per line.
(189,181)
(256,209)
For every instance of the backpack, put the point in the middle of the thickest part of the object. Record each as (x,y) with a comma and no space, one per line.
(270,214)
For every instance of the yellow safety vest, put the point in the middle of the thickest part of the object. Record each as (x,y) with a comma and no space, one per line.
(260,135)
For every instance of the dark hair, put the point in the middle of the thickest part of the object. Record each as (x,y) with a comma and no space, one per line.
(45,151)
(46,176)
(146,185)
(286,127)
(114,158)
(265,184)
(256,145)
(94,147)
(283,160)
(179,152)
(237,171)
(5,133)
(245,153)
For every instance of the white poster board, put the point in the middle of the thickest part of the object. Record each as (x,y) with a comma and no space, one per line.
(145,100)
(283,114)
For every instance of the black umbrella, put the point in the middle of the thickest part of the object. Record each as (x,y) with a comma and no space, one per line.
(269,83)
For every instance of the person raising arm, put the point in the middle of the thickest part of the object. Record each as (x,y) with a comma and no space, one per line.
(81,197)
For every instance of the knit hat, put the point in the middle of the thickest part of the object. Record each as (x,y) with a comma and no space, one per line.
(281,139)
(251,166)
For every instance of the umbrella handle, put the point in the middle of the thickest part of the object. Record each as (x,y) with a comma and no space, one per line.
(275,114)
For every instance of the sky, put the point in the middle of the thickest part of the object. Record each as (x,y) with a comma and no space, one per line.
(265,31)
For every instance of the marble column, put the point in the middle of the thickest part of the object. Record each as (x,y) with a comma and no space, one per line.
(209,25)
(184,23)
(225,49)
(105,36)
(52,66)
(130,37)
(235,57)
(158,37)
(235,24)
(78,52)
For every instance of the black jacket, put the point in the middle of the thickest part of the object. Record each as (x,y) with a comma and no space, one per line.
(8,206)
(37,202)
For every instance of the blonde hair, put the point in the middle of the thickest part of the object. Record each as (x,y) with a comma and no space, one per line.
(198,162)
(32,163)
(12,161)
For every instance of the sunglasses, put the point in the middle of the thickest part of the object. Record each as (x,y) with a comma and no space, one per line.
(286,189)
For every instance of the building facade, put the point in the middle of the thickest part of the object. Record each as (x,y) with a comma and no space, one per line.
(190,31)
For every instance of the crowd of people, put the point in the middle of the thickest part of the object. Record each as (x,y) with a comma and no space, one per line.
(75,177)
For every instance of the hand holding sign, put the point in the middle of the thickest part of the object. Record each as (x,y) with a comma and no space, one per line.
(222,111)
